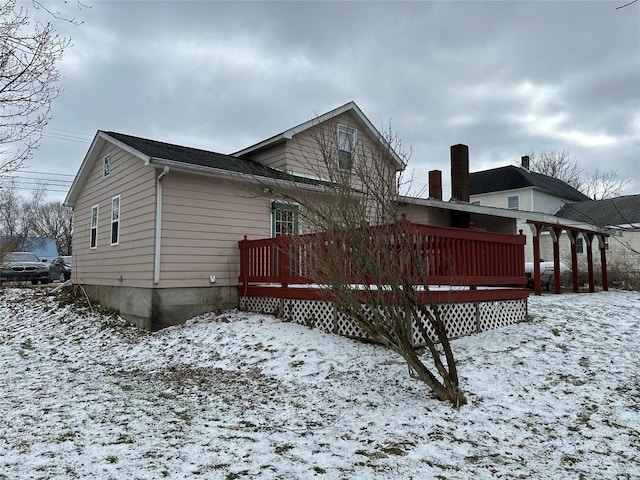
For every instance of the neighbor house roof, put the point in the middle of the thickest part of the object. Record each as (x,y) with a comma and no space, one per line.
(351,107)
(621,211)
(512,177)
(157,153)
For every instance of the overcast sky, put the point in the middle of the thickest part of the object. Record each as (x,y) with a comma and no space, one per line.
(504,78)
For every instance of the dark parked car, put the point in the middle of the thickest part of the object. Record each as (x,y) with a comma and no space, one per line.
(24,266)
(60,268)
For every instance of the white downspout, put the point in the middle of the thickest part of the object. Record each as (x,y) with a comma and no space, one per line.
(156,259)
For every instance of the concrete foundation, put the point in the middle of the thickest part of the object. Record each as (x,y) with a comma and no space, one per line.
(157,308)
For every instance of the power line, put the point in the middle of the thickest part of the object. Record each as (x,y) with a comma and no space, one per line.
(68,135)
(45,173)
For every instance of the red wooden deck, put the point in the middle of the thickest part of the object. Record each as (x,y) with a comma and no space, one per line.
(464,265)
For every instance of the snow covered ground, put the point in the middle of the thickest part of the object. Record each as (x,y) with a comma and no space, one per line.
(246,396)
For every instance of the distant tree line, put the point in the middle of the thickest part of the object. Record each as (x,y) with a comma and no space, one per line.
(21,218)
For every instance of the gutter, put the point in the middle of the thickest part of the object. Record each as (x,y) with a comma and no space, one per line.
(156,257)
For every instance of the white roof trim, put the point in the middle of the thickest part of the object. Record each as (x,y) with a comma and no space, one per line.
(98,142)
(521,215)
(288,134)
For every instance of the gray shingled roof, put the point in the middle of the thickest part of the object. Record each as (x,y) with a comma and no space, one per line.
(620,211)
(205,158)
(512,177)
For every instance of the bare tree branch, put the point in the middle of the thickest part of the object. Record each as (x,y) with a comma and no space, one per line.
(29,82)
(626,4)
(564,166)
(362,232)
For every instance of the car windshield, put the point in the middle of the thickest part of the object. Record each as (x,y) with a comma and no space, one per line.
(66,260)
(22,257)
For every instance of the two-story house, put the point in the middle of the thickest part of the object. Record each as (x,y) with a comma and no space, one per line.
(157,225)
(519,189)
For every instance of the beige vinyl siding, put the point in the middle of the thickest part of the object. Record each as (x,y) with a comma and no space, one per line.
(132,259)
(304,150)
(203,220)
(274,157)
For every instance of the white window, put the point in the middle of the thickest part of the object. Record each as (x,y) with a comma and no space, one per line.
(579,245)
(93,242)
(284,219)
(346,147)
(115,220)
(106,166)
(513,202)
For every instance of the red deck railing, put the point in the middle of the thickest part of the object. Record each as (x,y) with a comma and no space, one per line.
(449,257)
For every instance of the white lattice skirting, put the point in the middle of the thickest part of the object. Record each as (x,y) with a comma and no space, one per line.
(460,318)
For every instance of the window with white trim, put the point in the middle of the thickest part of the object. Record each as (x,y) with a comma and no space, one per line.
(115,220)
(513,202)
(93,235)
(106,165)
(579,245)
(347,138)
(284,219)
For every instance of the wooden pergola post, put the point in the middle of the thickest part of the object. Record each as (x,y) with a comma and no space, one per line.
(573,236)
(603,261)
(536,229)
(589,240)
(555,235)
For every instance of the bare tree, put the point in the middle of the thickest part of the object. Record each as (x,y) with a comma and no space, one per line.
(365,256)
(604,184)
(54,220)
(564,166)
(558,164)
(29,82)
(17,215)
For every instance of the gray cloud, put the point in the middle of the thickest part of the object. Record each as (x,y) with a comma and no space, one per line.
(502,77)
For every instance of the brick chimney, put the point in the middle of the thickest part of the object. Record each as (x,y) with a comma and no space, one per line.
(525,162)
(435,184)
(460,184)
(460,172)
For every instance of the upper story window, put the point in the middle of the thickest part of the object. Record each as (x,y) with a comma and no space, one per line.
(106,165)
(347,138)
(93,236)
(284,219)
(513,202)
(115,220)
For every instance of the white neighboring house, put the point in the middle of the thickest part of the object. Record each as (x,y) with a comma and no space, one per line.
(517,188)
(621,216)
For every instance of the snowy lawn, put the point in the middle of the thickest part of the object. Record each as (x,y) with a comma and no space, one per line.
(246,396)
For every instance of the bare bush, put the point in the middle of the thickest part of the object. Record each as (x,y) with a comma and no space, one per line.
(364,256)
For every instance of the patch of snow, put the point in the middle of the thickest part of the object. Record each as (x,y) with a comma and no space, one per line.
(242,395)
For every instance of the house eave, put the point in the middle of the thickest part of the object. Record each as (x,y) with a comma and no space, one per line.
(522,215)
(230,175)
